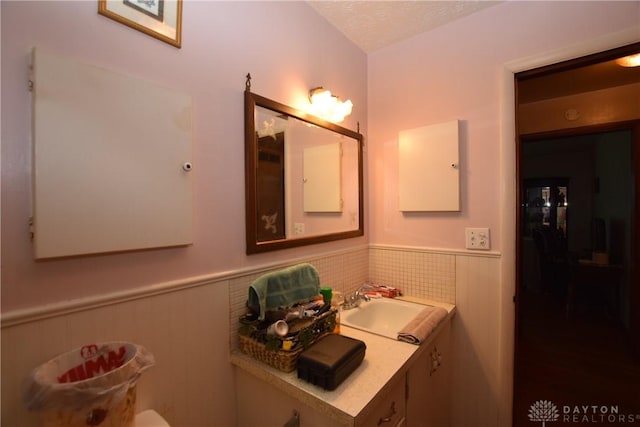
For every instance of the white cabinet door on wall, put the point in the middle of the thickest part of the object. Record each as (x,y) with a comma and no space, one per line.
(323,178)
(428,170)
(111,160)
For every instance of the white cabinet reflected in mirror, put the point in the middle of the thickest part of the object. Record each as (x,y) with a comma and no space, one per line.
(303,177)
(322,184)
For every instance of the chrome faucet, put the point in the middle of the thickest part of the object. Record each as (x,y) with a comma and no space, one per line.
(355,299)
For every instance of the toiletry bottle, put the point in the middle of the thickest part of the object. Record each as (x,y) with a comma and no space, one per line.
(336,301)
(327,294)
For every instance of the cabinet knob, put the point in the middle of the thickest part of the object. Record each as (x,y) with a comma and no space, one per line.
(294,421)
(392,412)
(436,360)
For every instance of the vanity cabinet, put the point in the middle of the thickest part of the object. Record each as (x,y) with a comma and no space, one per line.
(260,404)
(398,385)
(428,384)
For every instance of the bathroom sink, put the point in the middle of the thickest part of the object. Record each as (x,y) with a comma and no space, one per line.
(381,316)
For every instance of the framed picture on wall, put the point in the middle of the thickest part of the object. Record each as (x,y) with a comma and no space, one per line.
(161,19)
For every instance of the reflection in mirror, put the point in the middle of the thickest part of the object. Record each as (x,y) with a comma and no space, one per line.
(303,177)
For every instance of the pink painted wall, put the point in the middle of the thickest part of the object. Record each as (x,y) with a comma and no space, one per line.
(287,48)
(454,72)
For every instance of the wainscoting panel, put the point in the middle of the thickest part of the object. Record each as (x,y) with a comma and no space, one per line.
(476,342)
(191,382)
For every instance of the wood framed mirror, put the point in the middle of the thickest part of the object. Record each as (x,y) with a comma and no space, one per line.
(303,177)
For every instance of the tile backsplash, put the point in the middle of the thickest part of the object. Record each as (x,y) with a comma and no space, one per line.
(417,272)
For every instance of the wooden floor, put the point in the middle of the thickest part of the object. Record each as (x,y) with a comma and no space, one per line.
(583,360)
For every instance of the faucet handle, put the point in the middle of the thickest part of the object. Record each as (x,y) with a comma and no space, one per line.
(361,295)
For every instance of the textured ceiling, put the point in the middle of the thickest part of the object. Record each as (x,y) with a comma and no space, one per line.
(373,24)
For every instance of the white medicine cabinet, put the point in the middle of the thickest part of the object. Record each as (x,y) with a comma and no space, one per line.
(428,170)
(111,161)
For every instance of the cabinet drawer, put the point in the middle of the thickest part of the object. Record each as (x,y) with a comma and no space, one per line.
(386,409)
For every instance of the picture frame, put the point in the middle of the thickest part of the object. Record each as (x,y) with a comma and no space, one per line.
(161,19)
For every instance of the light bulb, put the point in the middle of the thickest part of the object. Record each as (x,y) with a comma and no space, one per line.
(629,61)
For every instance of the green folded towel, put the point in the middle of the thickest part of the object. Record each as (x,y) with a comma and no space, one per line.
(284,288)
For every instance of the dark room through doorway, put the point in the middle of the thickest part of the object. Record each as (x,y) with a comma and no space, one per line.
(577,254)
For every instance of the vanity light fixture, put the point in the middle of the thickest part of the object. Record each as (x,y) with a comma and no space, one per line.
(629,61)
(328,106)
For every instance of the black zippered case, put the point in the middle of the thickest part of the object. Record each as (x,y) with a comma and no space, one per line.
(330,360)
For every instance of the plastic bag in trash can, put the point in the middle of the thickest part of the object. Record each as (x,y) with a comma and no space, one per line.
(89,385)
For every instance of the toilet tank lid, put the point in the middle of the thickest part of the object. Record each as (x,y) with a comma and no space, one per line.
(150,418)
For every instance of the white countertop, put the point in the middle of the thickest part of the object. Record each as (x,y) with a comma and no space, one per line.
(384,358)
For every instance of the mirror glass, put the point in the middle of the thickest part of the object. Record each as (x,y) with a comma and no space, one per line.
(303,178)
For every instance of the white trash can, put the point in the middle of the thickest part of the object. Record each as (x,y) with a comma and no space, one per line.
(94,385)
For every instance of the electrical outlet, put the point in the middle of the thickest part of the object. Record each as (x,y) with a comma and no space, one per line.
(477,238)
(298,228)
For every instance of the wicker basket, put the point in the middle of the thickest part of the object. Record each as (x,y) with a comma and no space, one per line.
(282,352)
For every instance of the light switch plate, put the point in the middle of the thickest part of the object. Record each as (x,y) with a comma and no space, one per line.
(298,228)
(477,238)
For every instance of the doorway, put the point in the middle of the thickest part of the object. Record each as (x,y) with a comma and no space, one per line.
(574,340)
